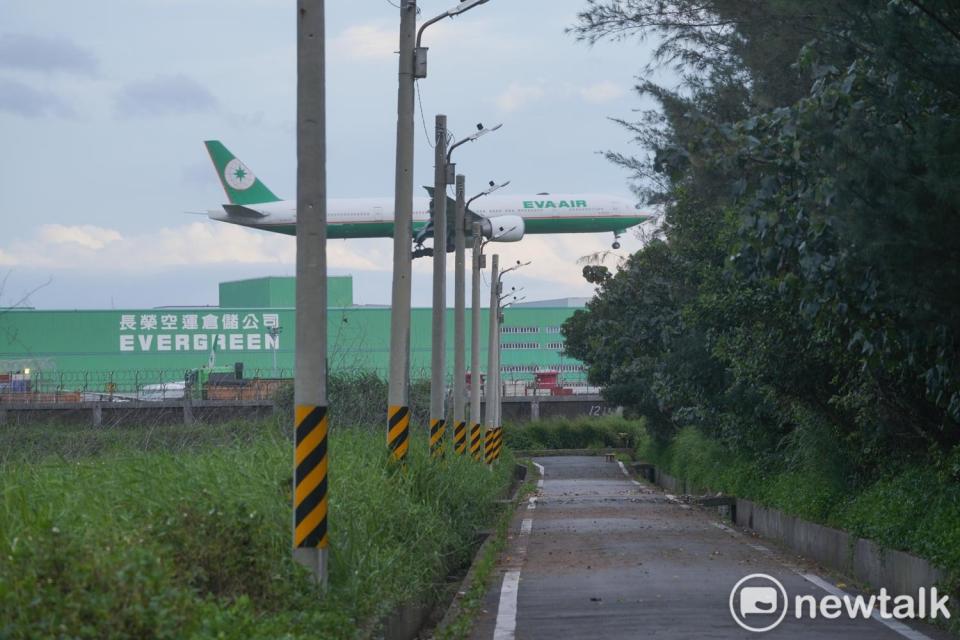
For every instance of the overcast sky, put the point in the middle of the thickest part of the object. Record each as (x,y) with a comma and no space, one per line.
(104,106)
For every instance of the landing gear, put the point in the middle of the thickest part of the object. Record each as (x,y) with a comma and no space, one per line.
(421,252)
(616,239)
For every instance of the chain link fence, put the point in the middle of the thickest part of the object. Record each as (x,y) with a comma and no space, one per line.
(232,384)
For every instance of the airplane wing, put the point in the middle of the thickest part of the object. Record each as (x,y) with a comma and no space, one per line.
(427,230)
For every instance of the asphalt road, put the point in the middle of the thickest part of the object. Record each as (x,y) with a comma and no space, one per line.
(599,555)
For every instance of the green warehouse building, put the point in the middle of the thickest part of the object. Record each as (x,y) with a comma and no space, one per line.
(254,324)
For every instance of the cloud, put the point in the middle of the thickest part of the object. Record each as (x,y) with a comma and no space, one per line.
(48,55)
(518,96)
(164,95)
(602,92)
(87,236)
(56,246)
(21,99)
(365,42)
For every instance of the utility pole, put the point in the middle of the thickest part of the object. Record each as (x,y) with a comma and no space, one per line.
(459,326)
(438,359)
(310,537)
(492,364)
(475,444)
(498,437)
(398,410)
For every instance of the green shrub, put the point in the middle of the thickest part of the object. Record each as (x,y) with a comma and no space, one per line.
(577,433)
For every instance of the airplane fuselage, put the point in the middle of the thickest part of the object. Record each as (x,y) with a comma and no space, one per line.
(373,217)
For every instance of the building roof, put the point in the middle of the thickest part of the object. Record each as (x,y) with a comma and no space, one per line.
(567,303)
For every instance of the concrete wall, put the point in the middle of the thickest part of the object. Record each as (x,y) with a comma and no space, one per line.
(134,413)
(533,408)
(862,560)
(515,409)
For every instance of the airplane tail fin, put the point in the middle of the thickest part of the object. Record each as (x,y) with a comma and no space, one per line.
(239,182)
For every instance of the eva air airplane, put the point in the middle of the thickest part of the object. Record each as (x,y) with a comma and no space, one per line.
(502,218)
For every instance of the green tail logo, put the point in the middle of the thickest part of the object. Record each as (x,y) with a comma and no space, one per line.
(239,182)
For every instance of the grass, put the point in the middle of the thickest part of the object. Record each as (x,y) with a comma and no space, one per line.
(124,535)
(472,601)
(577,433)
(911,508)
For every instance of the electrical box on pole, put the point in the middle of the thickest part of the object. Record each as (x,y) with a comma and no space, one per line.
(420,62)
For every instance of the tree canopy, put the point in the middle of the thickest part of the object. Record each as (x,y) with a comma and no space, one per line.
(808,282)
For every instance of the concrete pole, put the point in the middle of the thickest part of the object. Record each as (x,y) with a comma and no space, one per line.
(310,539)
(438,359)
(398,409)
(498,405)
(476,444)
(492,365)
(459,325)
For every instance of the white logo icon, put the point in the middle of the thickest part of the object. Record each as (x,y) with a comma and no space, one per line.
(759,603)
(758,600)
(238,175)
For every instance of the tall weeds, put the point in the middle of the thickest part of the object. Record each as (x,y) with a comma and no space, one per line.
(195,541)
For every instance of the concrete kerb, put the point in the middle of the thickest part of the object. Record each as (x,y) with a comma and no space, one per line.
(410,620)
(865,561)
(533,453)
(455,609)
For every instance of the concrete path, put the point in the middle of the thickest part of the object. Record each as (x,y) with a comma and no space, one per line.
(598,555)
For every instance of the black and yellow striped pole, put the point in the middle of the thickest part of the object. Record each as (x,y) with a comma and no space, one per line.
(497,442)
(493,365)
(489,443)
(398,432)
(460,438)
(438,346)
(310,534)
(475,445)
(437,429)
(310,484)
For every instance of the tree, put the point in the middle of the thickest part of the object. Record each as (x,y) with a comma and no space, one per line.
(809,163)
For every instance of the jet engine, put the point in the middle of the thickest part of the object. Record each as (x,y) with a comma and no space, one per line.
(502,228)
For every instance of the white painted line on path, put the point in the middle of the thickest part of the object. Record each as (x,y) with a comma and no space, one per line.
(627,473)
(893,625)
(507,610)
(526,526)
(542,473)
(506,627)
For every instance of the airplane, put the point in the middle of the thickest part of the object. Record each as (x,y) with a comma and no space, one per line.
(502,218)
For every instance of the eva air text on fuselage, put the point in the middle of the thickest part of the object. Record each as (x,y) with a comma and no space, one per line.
(552,204)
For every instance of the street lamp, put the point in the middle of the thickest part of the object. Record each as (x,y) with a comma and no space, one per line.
(479,133)
(275,332)
(494,384)
(459,342)
(477,441)
(412,66)
(420,53)
(493,187)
